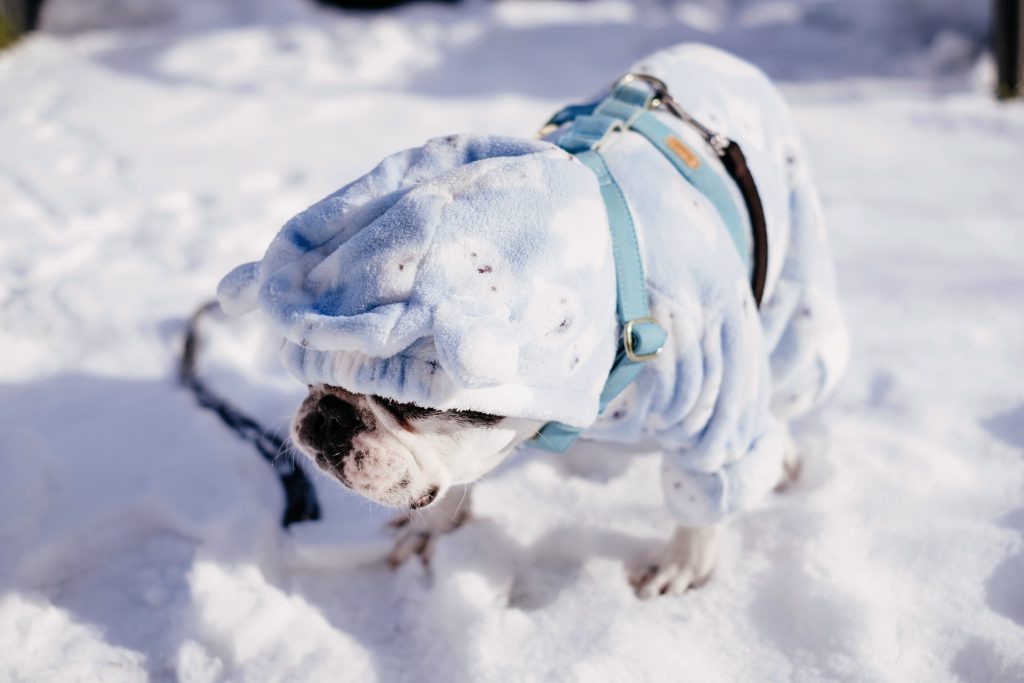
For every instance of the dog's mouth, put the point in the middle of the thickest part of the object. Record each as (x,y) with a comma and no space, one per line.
(426,499)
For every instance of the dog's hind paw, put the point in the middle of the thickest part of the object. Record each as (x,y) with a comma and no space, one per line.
(685,563)
(792,465)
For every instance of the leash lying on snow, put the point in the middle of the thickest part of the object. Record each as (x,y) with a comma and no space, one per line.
(300,498)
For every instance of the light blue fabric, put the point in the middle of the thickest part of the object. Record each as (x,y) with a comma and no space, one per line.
(476,272)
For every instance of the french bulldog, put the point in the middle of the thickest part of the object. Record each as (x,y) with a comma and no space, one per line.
(446,306)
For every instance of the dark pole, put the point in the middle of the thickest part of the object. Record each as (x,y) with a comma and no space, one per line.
(17,17)
(1008,35)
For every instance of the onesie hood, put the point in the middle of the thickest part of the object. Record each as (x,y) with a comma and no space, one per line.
(472,273)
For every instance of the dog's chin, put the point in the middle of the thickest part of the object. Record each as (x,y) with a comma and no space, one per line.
(404,500)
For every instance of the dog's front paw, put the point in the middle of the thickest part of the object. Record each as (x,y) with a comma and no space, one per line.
(685,562)
(417,534)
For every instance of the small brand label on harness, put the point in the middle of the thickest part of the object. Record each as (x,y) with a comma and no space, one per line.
(682,151)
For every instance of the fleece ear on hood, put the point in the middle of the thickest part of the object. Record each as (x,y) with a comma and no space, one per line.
(474,272)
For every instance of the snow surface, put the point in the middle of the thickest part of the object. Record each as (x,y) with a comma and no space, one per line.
(139,539)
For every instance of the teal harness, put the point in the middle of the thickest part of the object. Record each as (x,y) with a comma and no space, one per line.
(629,108)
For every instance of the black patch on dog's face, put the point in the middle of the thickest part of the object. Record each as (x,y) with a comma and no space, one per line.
(328,430)
(404,412)
(476,419)
(407,413)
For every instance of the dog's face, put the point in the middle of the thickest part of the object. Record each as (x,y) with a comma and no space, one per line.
(400,454)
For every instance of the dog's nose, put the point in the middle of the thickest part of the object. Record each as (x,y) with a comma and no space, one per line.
(337,412)
(329,428)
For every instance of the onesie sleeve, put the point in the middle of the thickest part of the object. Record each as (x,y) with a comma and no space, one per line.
(732,448)
(698,498)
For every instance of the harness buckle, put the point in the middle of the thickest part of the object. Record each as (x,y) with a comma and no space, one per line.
(617,127)
(628,343)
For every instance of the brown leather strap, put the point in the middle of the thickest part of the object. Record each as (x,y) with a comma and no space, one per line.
(736,165)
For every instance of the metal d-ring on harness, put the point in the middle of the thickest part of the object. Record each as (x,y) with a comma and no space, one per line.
(299,495)
(629,107)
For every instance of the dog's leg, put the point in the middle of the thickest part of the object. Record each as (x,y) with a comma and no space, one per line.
(805,334)
(685,562)
(791,466)
(419,530)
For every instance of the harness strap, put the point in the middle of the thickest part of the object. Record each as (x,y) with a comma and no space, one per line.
(700,174)
(642,337)
(648,92)
(628,108)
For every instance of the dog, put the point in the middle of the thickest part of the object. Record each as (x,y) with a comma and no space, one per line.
(452,302)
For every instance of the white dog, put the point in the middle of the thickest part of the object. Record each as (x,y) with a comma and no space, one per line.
(466,295)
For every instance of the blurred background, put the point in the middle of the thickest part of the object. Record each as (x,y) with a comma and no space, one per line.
(867,37)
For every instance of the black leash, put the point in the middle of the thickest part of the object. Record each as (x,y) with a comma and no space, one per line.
(300,497)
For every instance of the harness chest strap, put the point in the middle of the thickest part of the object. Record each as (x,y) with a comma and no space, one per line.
(628,108)
(642,337)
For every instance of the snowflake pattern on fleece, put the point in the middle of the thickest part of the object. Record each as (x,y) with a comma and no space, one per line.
(475,272)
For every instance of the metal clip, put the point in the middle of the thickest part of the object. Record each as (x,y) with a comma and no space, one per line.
(627,341)
(659,86)
(714,139)
(663,100)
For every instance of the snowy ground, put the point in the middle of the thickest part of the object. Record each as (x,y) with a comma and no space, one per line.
(139,539)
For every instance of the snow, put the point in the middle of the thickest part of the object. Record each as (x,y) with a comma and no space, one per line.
(139,539)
